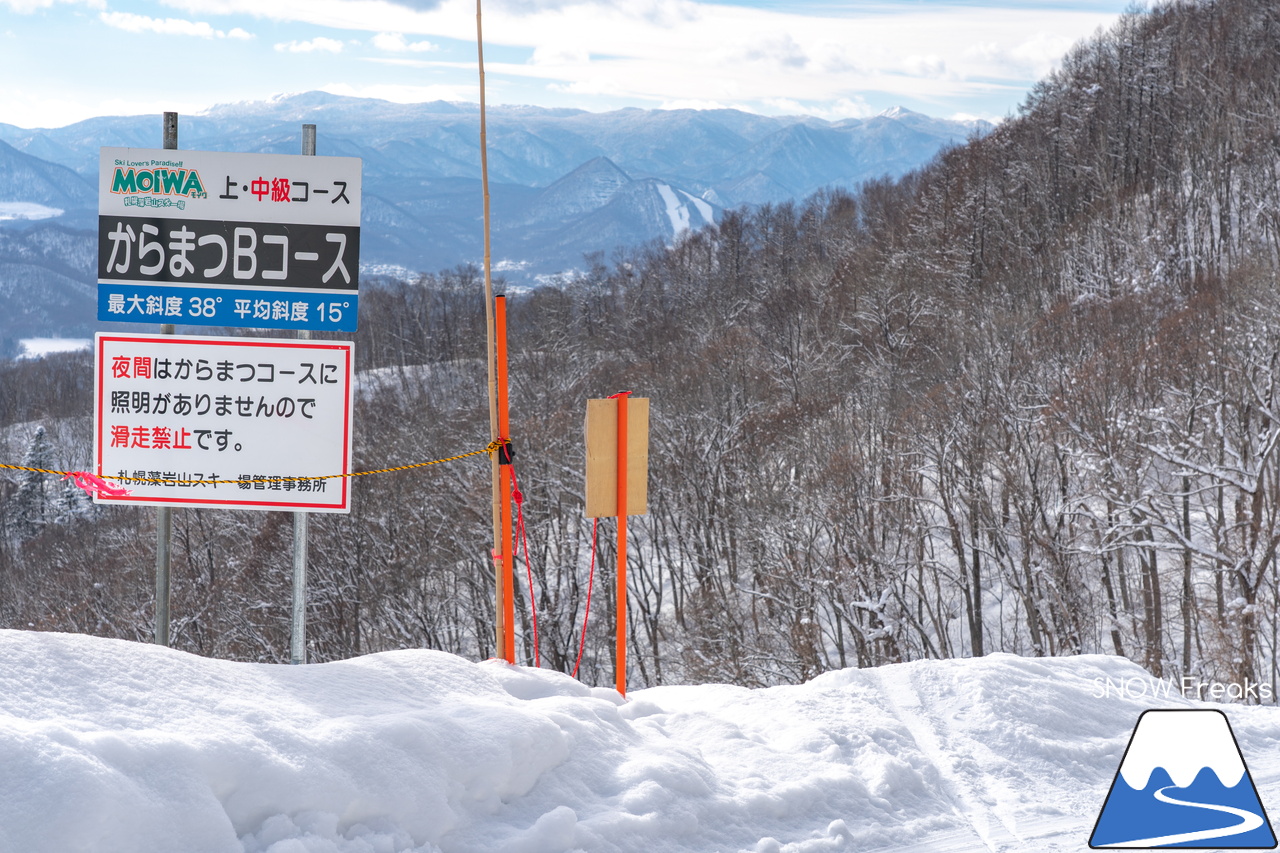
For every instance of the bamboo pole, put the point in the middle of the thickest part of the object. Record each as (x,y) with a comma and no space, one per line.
(500,628)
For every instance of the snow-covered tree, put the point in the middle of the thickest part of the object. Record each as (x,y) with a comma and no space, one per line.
(35,503)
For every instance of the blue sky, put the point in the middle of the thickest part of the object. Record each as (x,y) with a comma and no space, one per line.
(66,60)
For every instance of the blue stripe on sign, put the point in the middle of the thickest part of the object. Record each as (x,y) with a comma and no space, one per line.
(332,311)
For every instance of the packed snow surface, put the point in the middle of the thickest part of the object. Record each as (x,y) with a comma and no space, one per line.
(708,214)
(677,213)
(114,746)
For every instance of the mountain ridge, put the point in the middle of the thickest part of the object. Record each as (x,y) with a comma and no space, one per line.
(565,184)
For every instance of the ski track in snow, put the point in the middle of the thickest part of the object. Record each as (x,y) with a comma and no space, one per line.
(935,742)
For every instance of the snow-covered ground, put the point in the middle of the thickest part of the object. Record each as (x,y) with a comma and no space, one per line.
(114,746)
(37,347)
(27,210)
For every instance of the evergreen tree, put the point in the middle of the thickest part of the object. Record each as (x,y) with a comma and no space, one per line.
(33,503)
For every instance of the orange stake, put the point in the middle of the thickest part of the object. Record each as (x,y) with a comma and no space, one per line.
(620,674)
(507,566)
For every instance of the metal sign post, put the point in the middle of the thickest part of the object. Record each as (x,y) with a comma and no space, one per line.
(298,634)
(164,515)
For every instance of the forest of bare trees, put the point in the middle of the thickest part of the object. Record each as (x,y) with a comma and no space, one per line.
(1023,400)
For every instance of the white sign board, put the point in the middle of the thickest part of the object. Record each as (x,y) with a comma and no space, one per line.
(227,239)
(238,423)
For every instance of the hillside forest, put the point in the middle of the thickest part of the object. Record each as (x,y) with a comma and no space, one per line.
(1024,399)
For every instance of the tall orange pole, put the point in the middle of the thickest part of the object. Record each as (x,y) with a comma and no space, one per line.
(620,673)
(508,551)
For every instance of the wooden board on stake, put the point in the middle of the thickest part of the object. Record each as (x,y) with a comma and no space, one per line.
(602,457)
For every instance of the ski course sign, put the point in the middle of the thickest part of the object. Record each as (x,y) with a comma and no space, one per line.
(231,423)
(225,239)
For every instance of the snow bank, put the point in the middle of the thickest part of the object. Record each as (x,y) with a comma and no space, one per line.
(116,746)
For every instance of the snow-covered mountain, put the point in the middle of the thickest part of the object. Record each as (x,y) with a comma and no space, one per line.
(588,187)
(700,150)
(564,183)
(45,189)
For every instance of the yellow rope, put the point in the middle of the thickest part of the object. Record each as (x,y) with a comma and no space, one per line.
(492,446)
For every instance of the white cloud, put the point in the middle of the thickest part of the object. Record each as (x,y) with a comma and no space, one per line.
(319,43)
(1032,56)
(167,26)
(453,17)
(662,51)
(836,110)
(401,62)
(399,94)
(681,104)
(781,51)
(132,23)
(926,66)
(987,51)
(855,107)
(994,119)
(396,43)
(592,86)
(1039,54)
(560,55)
(835,58)
(33,108)
(26,108)
(26,7)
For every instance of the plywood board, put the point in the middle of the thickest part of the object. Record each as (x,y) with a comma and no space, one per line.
(602,457)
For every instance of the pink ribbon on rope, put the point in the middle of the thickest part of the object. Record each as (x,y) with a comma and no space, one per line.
(92,484)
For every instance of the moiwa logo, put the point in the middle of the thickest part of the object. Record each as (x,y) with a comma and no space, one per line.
(1183,783)
(156,177)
